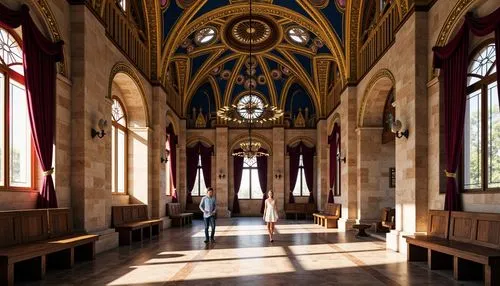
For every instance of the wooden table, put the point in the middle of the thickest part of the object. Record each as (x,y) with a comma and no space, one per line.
(361,229)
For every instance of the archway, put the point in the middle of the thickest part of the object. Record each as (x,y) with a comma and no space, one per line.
(126,90)
(376,150)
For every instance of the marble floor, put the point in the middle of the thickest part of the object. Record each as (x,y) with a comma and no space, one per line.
(302,254)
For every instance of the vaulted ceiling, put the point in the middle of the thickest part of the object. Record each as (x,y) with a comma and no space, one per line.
(301,47)
(296,45)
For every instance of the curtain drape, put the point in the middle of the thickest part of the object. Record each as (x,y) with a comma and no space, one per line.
(238,172)
(482,27)
(294,154)
(334,141)
(39,58)
(173,160)
(191,170)
(262,170)
(308,157)
(206,163)
(452,59)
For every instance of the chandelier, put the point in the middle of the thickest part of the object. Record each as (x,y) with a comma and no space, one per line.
(250,150)
(250,109)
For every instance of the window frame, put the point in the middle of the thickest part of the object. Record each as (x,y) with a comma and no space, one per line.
(9,74)
(117,126)
(481,85)
(250,168)
(199,172)
(301,172)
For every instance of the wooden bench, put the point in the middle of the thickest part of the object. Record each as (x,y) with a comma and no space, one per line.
(296,209)
(133,224)
(329,216)
(471,247)
(32,240)
(195,209)
(388,220)
(178,218)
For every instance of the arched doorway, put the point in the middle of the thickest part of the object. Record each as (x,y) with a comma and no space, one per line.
(376,150)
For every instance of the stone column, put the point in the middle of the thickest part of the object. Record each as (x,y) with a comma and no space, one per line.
(221,166)
(181,164)
(348,137)
(411,153)
(278,166)
(322,173)
(369,193)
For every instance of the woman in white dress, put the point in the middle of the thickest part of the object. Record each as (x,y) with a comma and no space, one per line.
(270,214)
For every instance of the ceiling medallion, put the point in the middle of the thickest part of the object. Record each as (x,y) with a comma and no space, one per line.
(261,32)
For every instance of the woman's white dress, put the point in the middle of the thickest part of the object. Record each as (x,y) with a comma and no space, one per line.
(270,212)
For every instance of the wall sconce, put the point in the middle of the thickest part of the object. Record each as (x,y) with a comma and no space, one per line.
(221,175)
(278,175)
(341,157)
(103,124)
(165,159)
(396,127)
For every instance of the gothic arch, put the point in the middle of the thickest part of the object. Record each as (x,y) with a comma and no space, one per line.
(375,93)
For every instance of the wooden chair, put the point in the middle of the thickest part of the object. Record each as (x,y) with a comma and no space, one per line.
(471,247)
(33,240)
(387,220)
(329,217)
(178,218)
(132,223)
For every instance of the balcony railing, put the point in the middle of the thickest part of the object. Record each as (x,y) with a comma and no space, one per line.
(380,38)
(126,36)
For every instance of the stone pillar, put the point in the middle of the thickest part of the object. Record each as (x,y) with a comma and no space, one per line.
(411,153)
(221,166)
(369,193)
(322,173)
(348,137)
(278,166)
(181,164)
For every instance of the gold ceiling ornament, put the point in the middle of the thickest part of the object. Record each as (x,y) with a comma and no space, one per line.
(250,149)
(250,109)
(262,32)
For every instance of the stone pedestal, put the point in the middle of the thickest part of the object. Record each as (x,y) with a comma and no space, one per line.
(108,239)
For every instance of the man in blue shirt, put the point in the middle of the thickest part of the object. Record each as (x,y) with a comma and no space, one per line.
(208,207)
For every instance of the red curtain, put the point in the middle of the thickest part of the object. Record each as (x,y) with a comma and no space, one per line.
(39,58)
(334,141)
(173,160)
(206,162)
(452,59)
(308,157)
(192,156)
(482,27)
(294,154)
(262,170)
(238,172)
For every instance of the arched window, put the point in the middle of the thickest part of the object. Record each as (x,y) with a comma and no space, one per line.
(481,153)
(15,143)
(119,148)
(250,183)
(168,169)
(301,189)
(200,188)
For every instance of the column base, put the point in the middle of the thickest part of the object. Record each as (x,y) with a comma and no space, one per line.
(108,239)
(396,242)
(346,224)
(166,222)
(223,213)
